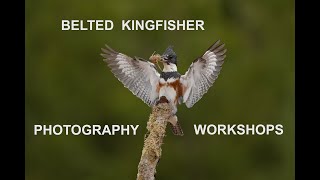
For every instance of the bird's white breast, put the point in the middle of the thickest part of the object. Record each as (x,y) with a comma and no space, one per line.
(167,90)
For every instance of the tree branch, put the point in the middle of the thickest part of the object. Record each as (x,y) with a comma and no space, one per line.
(151,151)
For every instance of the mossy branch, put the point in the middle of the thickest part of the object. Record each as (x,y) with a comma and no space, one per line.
(151,151)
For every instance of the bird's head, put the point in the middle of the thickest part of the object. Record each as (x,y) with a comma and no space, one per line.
(169,56)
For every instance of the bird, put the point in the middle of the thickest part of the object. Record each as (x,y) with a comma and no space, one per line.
(143,79)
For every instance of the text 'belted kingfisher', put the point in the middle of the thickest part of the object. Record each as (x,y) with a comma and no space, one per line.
(143,80)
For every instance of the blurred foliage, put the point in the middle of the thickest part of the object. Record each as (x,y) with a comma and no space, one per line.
(68,83)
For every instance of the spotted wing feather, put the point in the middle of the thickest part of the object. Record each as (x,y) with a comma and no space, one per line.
(202,73)
(139,76)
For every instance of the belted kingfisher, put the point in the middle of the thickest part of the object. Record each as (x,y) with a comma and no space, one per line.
(143,80)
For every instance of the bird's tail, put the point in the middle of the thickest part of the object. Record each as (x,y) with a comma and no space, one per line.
(176,129)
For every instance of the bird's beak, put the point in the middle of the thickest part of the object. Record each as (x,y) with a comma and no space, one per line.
(164,58)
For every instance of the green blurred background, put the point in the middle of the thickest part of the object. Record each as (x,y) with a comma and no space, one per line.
(68,83)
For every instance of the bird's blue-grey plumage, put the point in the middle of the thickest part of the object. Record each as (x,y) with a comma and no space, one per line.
(170,56)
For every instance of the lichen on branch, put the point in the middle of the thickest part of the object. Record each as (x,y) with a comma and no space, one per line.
(151,152)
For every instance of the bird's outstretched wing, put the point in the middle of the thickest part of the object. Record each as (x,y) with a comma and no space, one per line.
(202,73)
(140,77)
